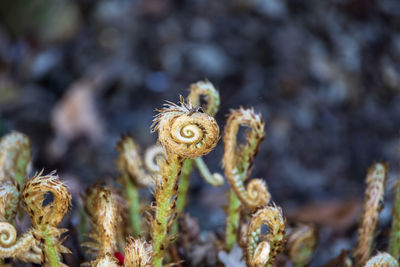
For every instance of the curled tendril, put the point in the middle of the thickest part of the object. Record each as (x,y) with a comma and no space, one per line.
(138,253)
(15,157)
(130,161)
(185,130)
(101,204)
(263,248)
(9,201)
(376,179)
(383,259)
(207,90)
(301,244)
(237,160)
(151,157)
(11,247)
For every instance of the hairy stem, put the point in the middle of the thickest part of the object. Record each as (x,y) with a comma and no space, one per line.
(181,200)
(165,198)
(232,221)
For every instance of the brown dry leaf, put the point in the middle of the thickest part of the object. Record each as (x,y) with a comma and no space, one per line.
(339,215)
(76,115)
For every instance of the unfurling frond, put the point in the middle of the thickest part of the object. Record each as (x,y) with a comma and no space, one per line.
(15,157)
(184,130)
(263,248)
(46,216)
(237,160)
(376,179)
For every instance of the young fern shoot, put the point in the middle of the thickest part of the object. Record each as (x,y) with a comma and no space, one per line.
(237,161)
(105,212)
(15,160)
(184,132)
(133,176)
(259,254)
(301,244)
(376,179)
(46,216)
(199,90)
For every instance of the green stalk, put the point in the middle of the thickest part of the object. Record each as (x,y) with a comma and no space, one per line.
(181,200)
(132,197)
(394,246)
(232,220)
(187,168)
(50,249)
(213,179)
(165,199)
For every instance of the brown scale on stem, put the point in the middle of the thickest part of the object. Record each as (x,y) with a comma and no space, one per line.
(238,159)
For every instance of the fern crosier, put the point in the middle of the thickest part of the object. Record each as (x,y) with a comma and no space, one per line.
(106,215)
(376,179)
(301,244)
(45,217)
(184,132)
(237,160)
(15,158)
(259,254)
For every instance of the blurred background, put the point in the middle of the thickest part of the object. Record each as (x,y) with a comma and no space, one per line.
(325,75)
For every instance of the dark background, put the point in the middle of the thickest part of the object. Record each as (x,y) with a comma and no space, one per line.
(325,76)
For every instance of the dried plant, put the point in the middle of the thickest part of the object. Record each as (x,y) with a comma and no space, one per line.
(184,132)
(376,178)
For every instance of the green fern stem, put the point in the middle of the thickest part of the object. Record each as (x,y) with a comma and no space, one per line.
(187,168)
(165,210)
(183,189)
(232,220)
(394,246)
(132,197)
(49,248)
